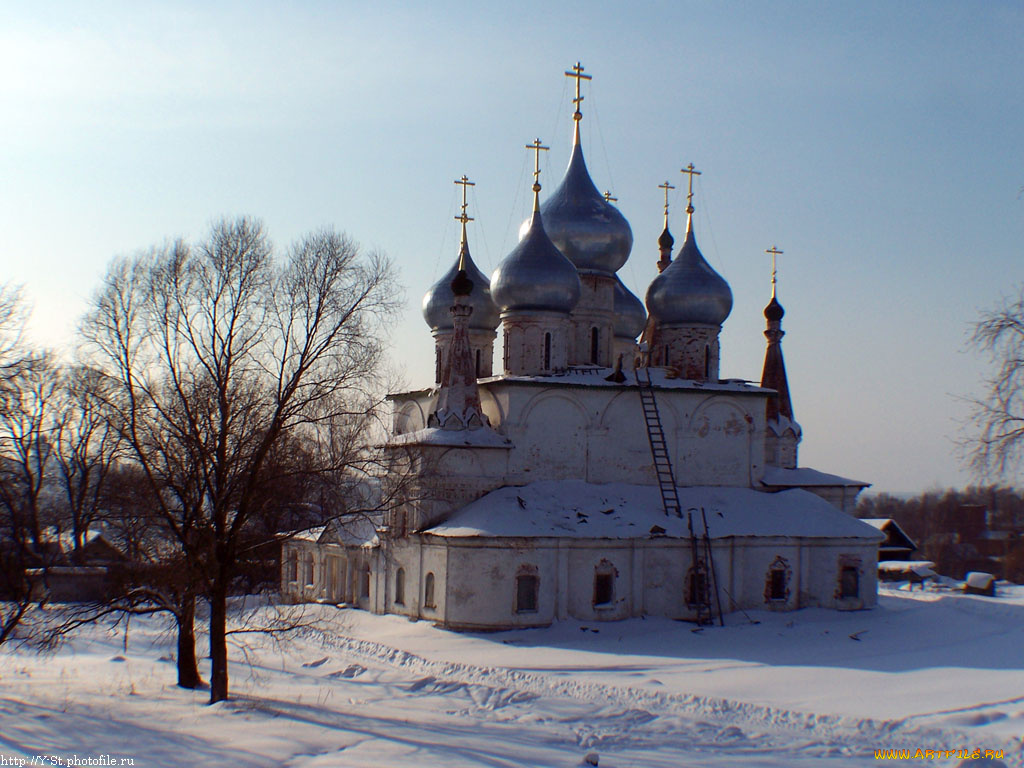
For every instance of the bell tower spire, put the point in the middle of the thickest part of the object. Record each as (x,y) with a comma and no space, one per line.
(783,432)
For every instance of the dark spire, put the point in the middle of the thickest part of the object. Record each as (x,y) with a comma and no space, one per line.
(773,376)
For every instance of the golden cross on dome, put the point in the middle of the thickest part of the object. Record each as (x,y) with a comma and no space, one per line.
(774,252)
(465,183)
(609,199)
(666,186)
(577,72)
(537,147)
(689,195)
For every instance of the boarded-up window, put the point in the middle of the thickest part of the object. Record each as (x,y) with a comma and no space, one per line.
(428,591)
(849,582)
(400,587)
(526,593)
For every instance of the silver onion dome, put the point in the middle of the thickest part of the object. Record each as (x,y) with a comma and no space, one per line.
(438,300)
(630,316)
(584,226)
(535,276)
(689,291)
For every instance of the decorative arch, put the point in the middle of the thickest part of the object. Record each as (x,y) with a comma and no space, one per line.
(742,422)
(550,394)
(409,418)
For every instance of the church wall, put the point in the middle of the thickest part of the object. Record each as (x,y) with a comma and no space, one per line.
(587,561)
(482,583)
(826,564)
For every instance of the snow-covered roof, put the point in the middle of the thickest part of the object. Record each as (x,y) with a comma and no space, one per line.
(979,579)
(573,508)
(485,437)
(777,477)
(918,567)
(595,376)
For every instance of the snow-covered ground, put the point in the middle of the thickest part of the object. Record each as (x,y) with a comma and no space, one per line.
(929,671)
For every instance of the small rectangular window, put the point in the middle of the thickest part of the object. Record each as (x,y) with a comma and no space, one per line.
(526,593)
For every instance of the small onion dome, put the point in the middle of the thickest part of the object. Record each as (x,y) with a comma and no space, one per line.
(584,226)
(665,240)
(689,291)
(438,300)
(536,275)
(630,316)
(774,311)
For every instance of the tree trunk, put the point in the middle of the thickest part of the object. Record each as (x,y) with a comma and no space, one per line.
(218,641)
(188,668)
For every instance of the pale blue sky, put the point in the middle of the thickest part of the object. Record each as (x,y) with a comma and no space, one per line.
(879,144)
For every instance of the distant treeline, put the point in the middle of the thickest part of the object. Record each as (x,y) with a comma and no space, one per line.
(960,530)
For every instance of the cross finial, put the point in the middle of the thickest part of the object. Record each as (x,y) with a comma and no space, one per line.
(465,183)
(609,199)
(689,195)
(537,148)
(577,72)
(666,186)
(774,252)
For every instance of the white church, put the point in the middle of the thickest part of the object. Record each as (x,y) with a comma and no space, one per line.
(606,471)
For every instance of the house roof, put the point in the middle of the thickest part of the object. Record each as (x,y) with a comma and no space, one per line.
(777,477)
(895,537)
(576,509)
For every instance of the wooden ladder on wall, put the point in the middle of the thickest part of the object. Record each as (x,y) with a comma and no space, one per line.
(659,448)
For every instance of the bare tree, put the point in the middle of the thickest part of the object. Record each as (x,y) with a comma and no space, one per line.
(87,447)
(221,353)
(998,416)
(26,397)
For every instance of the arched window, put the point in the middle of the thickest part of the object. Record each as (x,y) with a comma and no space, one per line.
(428,591)
(437,365)
(594,345)
(526,592)
(776,583)
(478,362)
(707,362)
(547,351)
(400,587)
(291,570)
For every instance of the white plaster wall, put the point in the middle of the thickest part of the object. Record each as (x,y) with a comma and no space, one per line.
(482,583)
(598,434)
